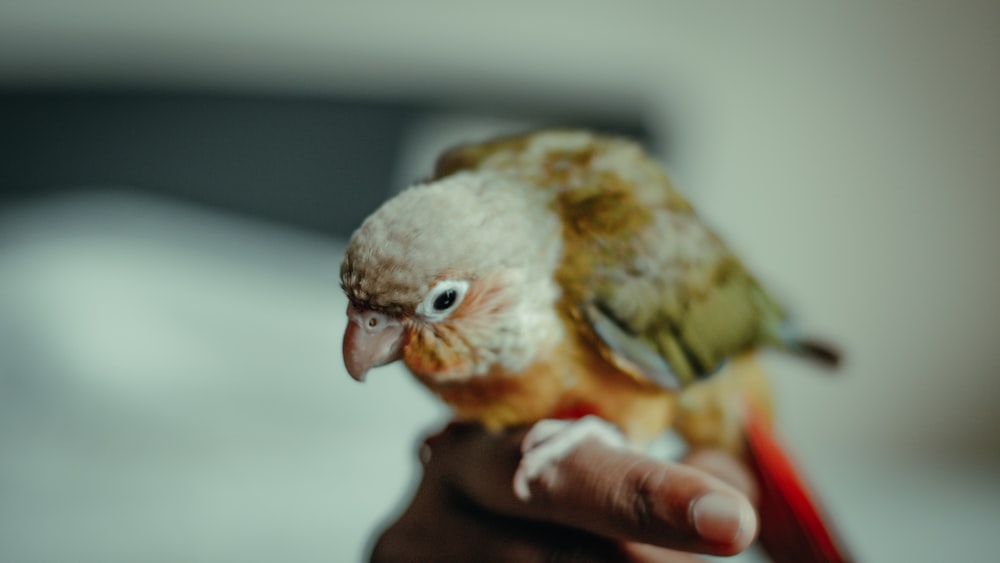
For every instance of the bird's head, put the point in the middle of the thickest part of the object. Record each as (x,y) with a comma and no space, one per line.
(454,277)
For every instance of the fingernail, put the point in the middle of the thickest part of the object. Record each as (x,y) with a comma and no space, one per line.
(718,517)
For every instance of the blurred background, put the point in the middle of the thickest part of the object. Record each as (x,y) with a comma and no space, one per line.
(177,182)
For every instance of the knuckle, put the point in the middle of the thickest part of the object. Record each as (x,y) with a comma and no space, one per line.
(638,498)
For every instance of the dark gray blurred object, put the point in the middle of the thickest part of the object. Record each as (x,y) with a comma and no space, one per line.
(315,163)
(318,163)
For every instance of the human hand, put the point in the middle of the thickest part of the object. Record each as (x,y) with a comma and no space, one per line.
(600,504)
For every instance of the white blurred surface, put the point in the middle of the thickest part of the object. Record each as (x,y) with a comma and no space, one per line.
(171,389)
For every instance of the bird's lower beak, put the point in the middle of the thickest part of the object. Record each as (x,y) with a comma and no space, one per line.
(372,339)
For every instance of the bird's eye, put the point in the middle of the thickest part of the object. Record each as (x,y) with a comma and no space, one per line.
(443,298)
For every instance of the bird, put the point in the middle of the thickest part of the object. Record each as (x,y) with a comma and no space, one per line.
(559,275)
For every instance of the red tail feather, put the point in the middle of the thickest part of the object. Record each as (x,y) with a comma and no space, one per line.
(792,528)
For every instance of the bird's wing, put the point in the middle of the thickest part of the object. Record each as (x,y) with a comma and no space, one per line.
(660,294)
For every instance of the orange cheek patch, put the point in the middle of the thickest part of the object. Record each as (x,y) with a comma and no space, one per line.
(486,298)
(428,354)
(449,348)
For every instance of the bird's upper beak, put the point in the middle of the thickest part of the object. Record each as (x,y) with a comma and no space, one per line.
(372,339)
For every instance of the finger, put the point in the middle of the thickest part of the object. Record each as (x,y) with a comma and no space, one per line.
(610,492)
(627,495)
(726,467)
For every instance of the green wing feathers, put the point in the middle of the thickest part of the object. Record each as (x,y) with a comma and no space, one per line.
(695,313)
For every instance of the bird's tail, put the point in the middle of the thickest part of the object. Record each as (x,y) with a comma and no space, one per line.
(818,350)
(822,352)
(792,529)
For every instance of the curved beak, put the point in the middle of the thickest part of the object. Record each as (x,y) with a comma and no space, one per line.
(372,339)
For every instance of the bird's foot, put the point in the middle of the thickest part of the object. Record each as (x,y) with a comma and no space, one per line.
(550,440)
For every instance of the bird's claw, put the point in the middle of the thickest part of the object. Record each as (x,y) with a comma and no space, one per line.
(550,440)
